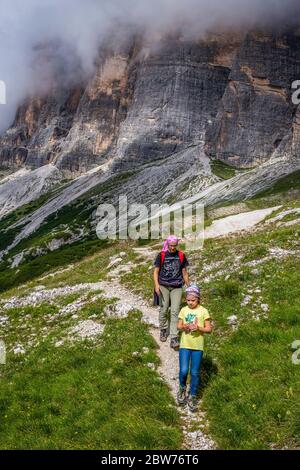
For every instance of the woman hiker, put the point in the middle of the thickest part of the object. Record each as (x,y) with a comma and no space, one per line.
(170,274)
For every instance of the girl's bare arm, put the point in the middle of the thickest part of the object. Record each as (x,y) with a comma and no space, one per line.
(207,327)
(181,326)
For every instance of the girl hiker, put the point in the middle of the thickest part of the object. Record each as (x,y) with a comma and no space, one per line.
(170,274)
(194,321)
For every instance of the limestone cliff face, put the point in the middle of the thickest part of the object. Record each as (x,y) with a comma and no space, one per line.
(73,128)
(177,92)
(40,125)
(256,111)
(229,94)
(101,109)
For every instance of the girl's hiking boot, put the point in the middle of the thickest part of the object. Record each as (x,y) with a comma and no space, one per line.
(181,396)
(175,343)
(193,403)
(163,335)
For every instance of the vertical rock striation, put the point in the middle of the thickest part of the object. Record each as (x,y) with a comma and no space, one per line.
(256,111)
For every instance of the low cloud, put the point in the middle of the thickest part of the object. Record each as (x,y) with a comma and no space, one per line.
(40,41)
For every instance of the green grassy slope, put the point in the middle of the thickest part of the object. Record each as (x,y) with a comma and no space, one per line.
(89,397)
(83,394)
(252,389)
(98,395)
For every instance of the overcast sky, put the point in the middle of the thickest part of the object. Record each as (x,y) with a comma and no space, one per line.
(77,27)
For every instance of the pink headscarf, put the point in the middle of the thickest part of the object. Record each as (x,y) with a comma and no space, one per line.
(170,239)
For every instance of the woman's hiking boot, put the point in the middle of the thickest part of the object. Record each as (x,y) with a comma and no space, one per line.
(193,403)
(181,396)
(163,335)
(175,343)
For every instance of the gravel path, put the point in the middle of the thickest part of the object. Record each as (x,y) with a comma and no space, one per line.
(193,423)
(42,294)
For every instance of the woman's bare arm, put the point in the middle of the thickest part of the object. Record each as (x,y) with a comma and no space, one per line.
(156,283)
(185,276)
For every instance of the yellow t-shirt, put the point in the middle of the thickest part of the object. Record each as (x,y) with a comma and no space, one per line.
(194,339)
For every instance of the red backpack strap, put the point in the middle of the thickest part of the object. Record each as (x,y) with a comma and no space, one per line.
(181,256)
(162,258)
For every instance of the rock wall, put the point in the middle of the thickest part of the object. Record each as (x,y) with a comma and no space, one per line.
(148,100)
(73,128)
(256,111)
(178,87)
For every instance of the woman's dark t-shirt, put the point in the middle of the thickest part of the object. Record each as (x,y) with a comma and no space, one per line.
(170,274)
